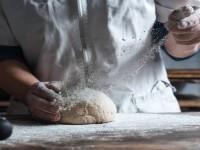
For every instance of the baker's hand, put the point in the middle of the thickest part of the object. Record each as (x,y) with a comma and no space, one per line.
(184,25)
(39,97)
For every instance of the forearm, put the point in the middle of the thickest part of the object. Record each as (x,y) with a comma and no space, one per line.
(15,78)
(177,50)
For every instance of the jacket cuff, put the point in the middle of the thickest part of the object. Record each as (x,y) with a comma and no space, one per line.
(178,58)
(11,52)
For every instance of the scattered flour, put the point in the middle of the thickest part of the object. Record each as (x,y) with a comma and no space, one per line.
(132,124)
(69,97)
(136,65)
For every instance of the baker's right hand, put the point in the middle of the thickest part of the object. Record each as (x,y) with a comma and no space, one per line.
(184,26)
(38,100)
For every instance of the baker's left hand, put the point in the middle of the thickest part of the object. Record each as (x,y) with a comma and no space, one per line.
(184,25)
(39,100)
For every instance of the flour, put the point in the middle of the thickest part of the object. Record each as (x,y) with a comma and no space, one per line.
(148,56)
(70,97)
(130,69)
(142,125)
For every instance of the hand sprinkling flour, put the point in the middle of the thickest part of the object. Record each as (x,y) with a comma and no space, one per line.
(183,18)
(184,37)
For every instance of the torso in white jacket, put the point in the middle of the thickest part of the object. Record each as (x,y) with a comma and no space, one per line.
(104,44)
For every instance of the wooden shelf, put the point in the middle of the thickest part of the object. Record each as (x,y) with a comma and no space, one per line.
(184,75)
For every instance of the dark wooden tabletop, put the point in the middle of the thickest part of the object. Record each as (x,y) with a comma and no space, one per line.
(185,136)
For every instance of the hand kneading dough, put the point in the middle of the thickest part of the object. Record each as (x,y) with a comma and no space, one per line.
(90,106)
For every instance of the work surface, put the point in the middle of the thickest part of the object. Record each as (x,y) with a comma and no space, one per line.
(135,131)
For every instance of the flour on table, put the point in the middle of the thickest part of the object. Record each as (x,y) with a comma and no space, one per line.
(138,125)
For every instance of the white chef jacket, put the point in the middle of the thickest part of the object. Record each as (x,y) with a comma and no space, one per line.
(103,44)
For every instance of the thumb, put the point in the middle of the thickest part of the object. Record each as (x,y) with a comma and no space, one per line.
(190,21)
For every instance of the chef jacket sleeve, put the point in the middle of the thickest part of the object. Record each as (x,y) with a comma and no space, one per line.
(12,53)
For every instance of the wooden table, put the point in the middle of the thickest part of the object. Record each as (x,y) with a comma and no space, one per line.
(136,131)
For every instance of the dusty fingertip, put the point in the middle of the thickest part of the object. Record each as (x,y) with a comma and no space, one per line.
(183,24)
(57,118)
(189,8)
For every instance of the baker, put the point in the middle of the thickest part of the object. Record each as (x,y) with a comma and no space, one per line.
(104,45)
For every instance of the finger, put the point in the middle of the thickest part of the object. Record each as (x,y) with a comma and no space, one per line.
(41,90)
(191,30)
(177,15)
(56,86)
(39,114)
(190,21)
(185,11)
(185,37)
(191,42)
(181,13)
(39,103)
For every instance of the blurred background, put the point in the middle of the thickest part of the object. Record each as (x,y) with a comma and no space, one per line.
(185,77)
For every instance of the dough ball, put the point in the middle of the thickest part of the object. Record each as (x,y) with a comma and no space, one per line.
(89,107)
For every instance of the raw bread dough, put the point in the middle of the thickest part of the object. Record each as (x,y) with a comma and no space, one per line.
(89,106)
